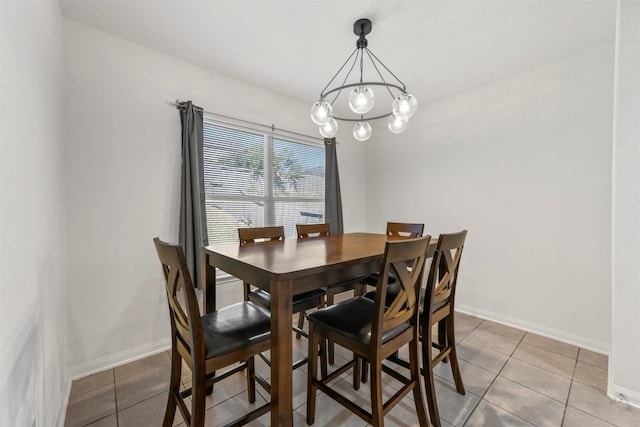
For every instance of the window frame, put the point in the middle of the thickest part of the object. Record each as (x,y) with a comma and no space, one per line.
(269,134)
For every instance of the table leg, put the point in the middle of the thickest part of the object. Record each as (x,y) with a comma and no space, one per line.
(208,296)
(209,285)
(281,354)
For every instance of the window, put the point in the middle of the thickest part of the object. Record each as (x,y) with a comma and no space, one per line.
(256,179)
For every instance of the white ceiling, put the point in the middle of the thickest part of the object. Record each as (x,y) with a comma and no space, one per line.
(294,47)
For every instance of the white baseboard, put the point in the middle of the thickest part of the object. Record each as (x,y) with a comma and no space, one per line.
(624,396)
(107,362)
(556,334)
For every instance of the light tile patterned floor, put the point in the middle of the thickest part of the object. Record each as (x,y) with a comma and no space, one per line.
(512,378)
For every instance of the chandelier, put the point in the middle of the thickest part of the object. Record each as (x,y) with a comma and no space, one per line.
(361,97)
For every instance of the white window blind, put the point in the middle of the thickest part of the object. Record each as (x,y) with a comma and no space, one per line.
(256,179)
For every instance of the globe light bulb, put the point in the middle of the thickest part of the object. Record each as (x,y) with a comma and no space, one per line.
(321,112)
(329,129)
(361,100)
(405,106)
(362,131)
(397,125)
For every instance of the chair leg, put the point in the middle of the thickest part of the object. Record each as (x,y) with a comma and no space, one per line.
(324,370)
(330,345)
(375,385)
(442,336)
(198,403)
(301,317)
(312,373)
(251,380)
(356,371)
(429,385)
(453,356)
(210,386)
(414,369)
(365,371)
(174,388)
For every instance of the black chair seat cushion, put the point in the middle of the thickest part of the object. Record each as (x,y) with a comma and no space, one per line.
(234,327)
(352,318)
(301,302)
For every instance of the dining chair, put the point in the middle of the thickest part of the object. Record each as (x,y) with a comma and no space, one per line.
(438,307)
(227,338)
(356,285)
(301,302)
(373,331)
(438,298)
(398,230)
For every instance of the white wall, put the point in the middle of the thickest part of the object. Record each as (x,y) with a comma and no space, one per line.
(524,164)
(122,175)
(34,386)
(624,376)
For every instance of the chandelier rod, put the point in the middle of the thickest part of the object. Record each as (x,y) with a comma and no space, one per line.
(378,71)
(336,74)
(339,88)
(386,68)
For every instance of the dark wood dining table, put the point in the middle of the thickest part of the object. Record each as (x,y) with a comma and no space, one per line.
(285,268)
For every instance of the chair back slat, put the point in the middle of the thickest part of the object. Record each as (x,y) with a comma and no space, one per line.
(172,277)
(443,275)
(398,254)
(260,234)
(313,230)
(404,229)
(178,283)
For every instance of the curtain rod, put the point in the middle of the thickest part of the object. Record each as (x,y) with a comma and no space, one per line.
(182,105)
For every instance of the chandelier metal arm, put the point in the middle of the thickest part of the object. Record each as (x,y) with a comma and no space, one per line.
(375,67)
(343,81)
(340,70)
(386,68)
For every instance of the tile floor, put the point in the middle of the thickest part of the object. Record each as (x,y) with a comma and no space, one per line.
(512,378)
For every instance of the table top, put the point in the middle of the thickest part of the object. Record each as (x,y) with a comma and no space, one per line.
(303,255)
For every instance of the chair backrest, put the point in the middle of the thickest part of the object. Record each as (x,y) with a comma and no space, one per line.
(313,230)
(404,229)
(260,234)
(183,327)
(443,275)
(404,307)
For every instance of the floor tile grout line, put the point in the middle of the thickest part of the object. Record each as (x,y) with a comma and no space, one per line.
(573,373)
(456,344)
(587,363)
(510,356)
(492,382)
(552,351)
(115,396)
(591,415)
(537,391)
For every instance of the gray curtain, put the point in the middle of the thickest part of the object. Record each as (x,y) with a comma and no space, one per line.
(332,197)
(193,222)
